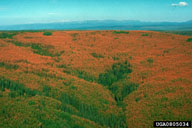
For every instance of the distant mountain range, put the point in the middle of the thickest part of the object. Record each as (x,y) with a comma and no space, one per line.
(103,25)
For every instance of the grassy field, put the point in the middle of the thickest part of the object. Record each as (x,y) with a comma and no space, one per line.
(94,79)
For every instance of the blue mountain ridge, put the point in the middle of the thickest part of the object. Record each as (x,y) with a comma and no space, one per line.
(102,25)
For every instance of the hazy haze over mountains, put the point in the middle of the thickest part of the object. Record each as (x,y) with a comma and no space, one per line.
(103,25)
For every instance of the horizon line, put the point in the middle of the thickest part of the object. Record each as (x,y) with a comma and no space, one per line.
(68,21)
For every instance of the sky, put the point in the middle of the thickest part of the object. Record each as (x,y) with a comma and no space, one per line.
(47,11)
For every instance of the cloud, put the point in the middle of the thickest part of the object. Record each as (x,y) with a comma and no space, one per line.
(180,4)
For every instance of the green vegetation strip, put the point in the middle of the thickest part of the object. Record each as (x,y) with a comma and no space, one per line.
(189,40)
(16,88)
(188,33)
(9,66)
(115,79)
(8,35)
(47,33)
(118,72)
(90,112)
(145,34)
(39,48)
(77,72)
(120,32)
(70,104)
(96,55)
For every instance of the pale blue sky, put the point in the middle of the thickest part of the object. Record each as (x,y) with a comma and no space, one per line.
(45,11)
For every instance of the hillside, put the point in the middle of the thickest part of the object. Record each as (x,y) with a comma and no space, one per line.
(94,79)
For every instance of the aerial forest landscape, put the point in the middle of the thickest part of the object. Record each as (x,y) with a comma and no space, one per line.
(95,64)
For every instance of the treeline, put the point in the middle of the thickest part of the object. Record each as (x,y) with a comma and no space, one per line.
(79,73)
(39,48)
(7,35)
(74,106)
(84,75)
(114,79)
(70,104)
(122,89)
(120,32)
(116,73)
(9,66)
(96,55)
(16,89)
